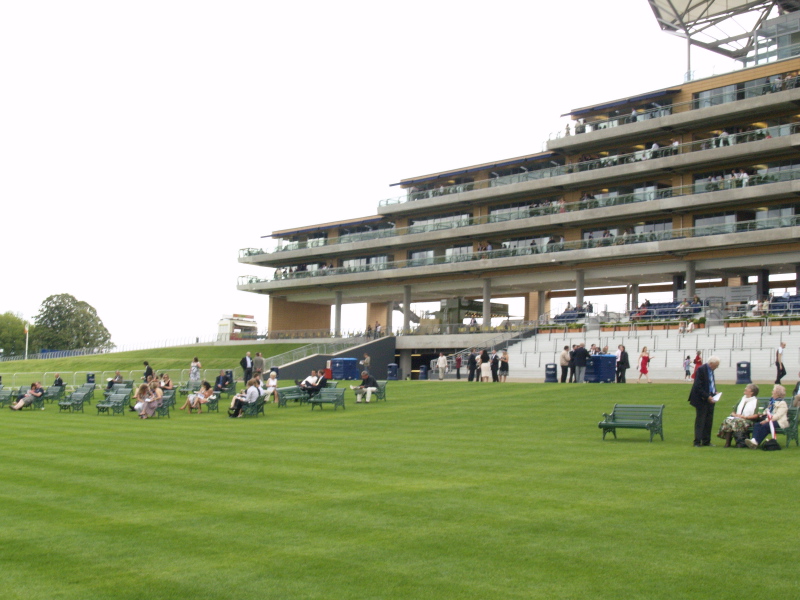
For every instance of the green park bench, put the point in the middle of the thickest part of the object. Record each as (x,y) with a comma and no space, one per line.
(293,393)
(333,396)
(634,416)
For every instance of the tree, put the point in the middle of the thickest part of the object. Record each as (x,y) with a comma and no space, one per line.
(12,334)
(65,323)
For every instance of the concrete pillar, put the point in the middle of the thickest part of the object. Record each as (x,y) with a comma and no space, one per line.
(579,278)
(678,283)
(763,283)
(389,310)
(691,275)
(487,303)
(405,362)
(634,296)
(540,310)
(337,318)
(406,309)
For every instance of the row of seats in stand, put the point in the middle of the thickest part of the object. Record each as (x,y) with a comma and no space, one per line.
(664,311)
(570,315)
(785,306)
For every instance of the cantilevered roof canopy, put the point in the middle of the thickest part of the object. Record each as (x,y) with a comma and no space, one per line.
(722,26)
(621,102)
(323,226)
(483,167)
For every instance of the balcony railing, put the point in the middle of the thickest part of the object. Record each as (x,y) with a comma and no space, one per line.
(747,92)
(550,248)
(552,207)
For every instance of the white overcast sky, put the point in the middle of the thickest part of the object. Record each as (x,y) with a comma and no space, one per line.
(143,143)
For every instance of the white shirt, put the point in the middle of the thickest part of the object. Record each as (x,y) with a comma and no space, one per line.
(310,380)
(442,362)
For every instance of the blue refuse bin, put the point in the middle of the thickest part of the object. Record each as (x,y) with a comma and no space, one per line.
(392,372)
(270,370)
(90,378)
(743,373)
(550,373)
(423,372)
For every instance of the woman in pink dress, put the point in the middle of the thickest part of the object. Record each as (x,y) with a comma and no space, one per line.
(644,361)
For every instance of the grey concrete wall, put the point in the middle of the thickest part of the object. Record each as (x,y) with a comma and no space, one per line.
(381,352)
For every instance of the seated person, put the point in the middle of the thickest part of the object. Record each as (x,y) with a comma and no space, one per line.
(249,397)
(368,386)
(775,413)
(28,397)
(117,378)
(739,421)
(321,384)
(272,386)
(141,396)
(153,402)
(309,381)
(683,308)
(198,399)
(58,381)
(222,381)
(166,382)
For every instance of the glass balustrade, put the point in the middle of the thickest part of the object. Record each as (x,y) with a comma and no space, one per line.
(550,248)
(553,207)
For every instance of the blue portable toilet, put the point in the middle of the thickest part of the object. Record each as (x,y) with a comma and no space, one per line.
(345,369)
(601,368)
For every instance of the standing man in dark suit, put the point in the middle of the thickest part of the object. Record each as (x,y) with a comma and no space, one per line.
(247,366)
(701,397)
(495,365)
(581,355)
(472,364)
(571,363)
(623,364)
(148,372)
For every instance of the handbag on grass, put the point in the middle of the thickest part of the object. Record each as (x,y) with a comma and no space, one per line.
(772,444)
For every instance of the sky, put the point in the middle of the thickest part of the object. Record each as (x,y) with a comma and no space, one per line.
(143,144)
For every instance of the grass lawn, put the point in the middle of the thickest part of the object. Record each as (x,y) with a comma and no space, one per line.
(448,490)
(173,359)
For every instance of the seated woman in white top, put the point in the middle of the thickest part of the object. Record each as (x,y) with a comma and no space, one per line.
(739,421)
(272,385)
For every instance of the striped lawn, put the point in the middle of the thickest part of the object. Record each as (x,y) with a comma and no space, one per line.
(448,490)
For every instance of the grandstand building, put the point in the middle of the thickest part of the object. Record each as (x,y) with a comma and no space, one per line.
(652,192)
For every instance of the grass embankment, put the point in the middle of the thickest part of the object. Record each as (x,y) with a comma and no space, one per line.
(448,490)
(174,360)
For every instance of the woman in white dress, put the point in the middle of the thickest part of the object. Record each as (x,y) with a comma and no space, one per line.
(272,386)
(194,370)
(486,366)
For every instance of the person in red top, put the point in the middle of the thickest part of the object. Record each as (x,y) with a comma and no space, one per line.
(644,361)
(698,362)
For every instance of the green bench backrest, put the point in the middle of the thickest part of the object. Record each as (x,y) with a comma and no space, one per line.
(332,394)
(632,412)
